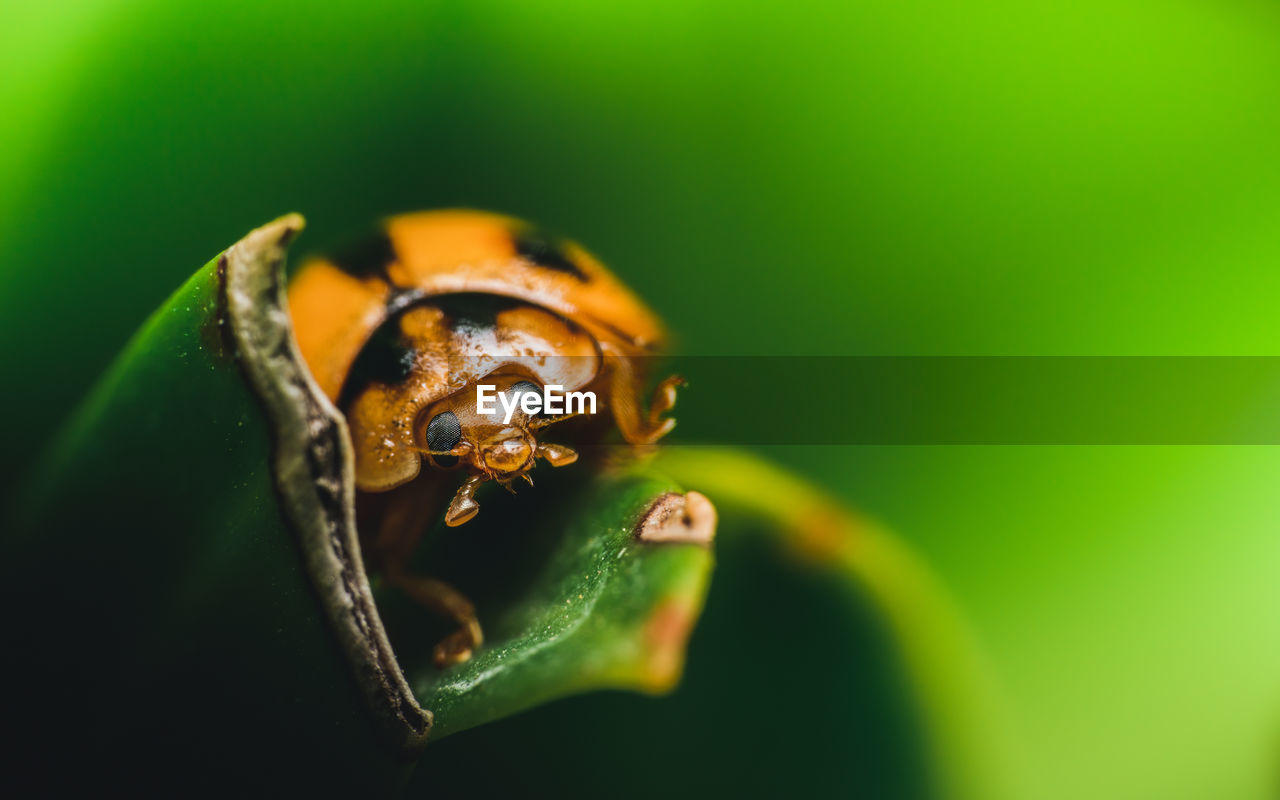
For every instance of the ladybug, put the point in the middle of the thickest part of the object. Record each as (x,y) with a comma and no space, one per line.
(400,330)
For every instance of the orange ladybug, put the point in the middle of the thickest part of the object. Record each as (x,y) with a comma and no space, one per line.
(400,330)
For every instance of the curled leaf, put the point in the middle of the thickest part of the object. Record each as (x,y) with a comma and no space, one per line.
(188,593)
(601,606)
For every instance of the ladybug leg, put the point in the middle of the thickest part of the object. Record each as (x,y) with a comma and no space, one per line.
(663,400)
(464,505)
(637,426)
(448,602)
(406,517)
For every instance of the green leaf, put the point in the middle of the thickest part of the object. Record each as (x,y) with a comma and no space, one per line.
(955,695)
(827,662)
(616,577)
(192,596)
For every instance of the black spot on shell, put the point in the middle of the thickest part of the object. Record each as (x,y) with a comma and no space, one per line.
(547,252)
(386,358)
(521,387)
(366,258)
(525,386)
(474,310)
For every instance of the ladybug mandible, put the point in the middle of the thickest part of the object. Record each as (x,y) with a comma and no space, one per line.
(399,331)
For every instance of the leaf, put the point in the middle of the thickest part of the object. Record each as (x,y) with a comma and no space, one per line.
(191,596)
(581,585)
(616,580)
(963,717)
(827,662)
(168,621)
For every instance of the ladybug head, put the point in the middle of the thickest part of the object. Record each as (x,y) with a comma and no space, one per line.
(501,445)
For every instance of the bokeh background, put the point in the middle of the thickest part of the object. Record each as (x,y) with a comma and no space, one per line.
(802,178)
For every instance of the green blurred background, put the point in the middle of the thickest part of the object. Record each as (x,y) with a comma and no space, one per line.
(799,178)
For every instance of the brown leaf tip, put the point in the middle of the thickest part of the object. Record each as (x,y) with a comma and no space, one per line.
(673,517)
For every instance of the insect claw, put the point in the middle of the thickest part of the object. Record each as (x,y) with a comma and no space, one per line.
(461,510)
(527,478)
(464,505)
(557,455)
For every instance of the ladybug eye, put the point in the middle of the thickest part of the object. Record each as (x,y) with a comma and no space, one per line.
(524,386)
(520,387)
(443,432)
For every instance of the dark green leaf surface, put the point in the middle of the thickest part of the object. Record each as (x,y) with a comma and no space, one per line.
(170,631)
